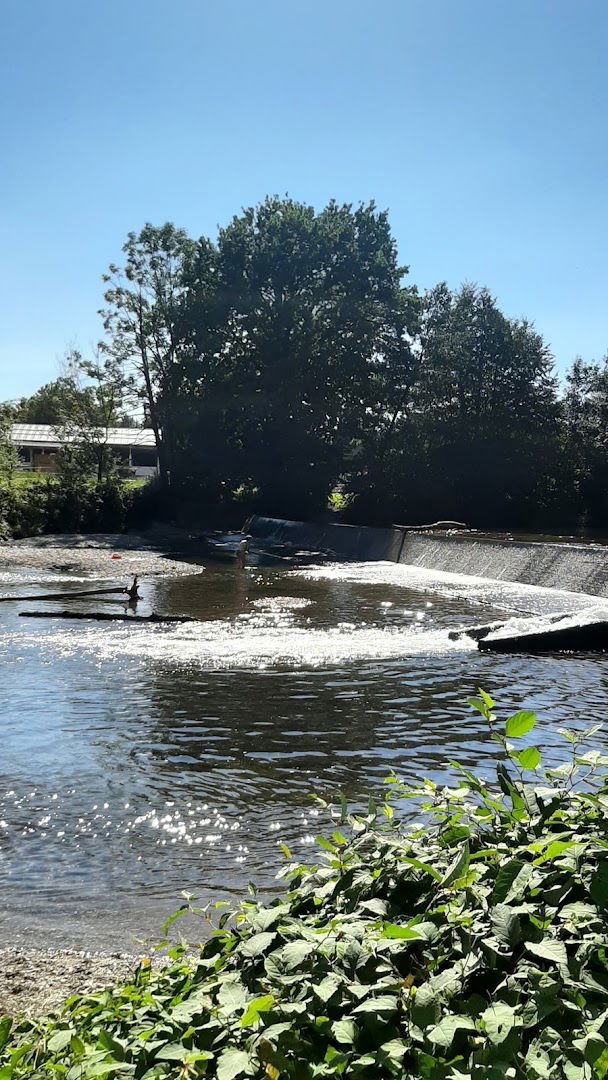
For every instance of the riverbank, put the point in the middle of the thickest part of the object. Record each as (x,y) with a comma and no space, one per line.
(152,554)
(34,982)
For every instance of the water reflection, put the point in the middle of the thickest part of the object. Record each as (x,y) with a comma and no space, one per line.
(139,761)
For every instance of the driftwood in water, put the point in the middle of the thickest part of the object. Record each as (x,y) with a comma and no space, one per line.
(64,595)
(590,637)
(106,616)
(435,525)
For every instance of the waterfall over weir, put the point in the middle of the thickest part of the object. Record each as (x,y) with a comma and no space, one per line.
(575,567)
(570,566)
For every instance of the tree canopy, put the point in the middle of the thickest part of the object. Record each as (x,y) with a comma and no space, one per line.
(290,356)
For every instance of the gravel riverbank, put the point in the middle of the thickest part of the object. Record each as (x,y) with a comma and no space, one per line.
(34,981)
(91,554)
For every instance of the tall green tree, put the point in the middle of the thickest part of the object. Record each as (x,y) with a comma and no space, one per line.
(586,437)
(143,320)
(482,430)
(288,342)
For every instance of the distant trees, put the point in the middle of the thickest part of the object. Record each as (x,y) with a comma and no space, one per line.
(288,356)
(83,403)
(88,413)
(49,404)
(8,453)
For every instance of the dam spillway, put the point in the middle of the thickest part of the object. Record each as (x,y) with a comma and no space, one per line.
(574,567)
(552,564)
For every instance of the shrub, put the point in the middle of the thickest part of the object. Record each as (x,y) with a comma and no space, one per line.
(472,943)
(58,506)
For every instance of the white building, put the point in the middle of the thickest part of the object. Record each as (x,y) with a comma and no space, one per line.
(37,446)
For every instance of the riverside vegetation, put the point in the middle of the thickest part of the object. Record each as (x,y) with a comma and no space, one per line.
(468,943)
(290,358)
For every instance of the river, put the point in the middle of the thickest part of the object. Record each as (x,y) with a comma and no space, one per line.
(139,761)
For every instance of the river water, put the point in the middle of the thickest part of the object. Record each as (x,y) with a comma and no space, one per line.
(138,761)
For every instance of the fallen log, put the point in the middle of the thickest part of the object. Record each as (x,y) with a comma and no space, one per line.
(64,595)
(106,616)
(588,637)
(435,525)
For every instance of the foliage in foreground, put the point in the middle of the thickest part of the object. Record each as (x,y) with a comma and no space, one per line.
(472,944)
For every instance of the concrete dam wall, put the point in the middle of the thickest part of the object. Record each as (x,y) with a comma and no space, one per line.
(556,565)
(571,566)
(345,541)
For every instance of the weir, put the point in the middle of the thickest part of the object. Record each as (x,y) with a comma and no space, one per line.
(345,541)
(572,566)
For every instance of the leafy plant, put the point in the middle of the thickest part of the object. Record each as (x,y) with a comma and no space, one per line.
(469,943)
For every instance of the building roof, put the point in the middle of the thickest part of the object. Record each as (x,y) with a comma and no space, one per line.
(47,435)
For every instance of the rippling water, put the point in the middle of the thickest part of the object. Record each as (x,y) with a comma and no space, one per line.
(141,760)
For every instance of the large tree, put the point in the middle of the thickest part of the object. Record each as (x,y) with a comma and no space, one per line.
(481,431)
(288,343)
(586,437)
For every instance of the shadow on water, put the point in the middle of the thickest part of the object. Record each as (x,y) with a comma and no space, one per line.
(140,761)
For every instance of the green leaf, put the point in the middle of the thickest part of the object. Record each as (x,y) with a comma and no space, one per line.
(479,706)
(392,930)
(108,1042)
(379,1005)
(296,952)
(418,864)
(6,1025)
(498,1021)
(459,866)
(505,878)
(232,1063)
(554,850)
(443,1033)
(327,988)
(394,1049)
(60,1040)
(554,951)
(179,1052)
(232,995)
(258,1005)
(506,924)
(257,944)
(519,724)
(344,1031)
(539,1061)
(529,758)
(322,842)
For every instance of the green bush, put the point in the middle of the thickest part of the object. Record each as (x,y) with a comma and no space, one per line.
(58,506)
(470,943)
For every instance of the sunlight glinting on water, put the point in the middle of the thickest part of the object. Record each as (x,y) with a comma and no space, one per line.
(140,760)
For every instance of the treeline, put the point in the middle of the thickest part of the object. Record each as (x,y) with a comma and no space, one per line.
(289,359)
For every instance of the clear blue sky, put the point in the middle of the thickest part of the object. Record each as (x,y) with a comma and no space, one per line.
(481,124)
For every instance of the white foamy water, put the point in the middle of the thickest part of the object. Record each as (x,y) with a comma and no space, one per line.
(245,643)
(506,595)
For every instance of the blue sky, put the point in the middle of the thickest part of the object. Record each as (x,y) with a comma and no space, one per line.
(481,124)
